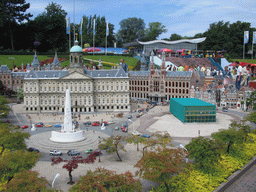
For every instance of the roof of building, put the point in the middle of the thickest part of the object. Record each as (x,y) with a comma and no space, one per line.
(114,73)
(197,40)
(35,61)
(76,48)
(56,74)
(45,74)
(191,102)
(19,74)
(5,69)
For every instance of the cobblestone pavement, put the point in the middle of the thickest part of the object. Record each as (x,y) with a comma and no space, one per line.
(247,182)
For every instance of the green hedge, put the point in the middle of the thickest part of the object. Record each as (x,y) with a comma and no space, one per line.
(193,179)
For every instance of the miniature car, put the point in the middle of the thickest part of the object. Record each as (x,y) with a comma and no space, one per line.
(89,151)
(39,125)
(225,109)
(24,127)
(48,125)
(116,128)
(55,152)
(87,123)
(57,125)
(73,153)
(124,129)
(138,116)
(31,149)
(97,153)
(146,135)
(111,122)
(129,117)
(136,133)
(96,123)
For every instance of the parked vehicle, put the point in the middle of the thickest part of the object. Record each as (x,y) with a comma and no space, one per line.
(88,123)
(89,151)
(138,116)
(31,149)
(136,133)
(124,125)
(96,123)
(97,153)
(48,125)
(116,128)
(57,125)
(129,117)
(73,152)
(39,125)
(55,152)
(111,122)
(24,127)
(124,129)
(225,109)
(146,135)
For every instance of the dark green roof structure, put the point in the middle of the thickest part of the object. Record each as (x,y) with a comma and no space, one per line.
(190,110)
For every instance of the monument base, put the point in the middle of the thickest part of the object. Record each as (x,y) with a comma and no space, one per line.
(67,137)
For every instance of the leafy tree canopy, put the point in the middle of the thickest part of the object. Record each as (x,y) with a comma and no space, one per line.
(112,145)
(160,165)
(105,180)
(28,181)
(154,30)
(15,162)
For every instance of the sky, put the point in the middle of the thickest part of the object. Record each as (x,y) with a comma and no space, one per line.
(183,17)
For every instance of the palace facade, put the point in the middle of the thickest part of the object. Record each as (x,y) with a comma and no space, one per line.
(90,90)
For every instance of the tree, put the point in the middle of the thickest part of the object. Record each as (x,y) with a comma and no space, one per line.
(175,37)
(251,100)
(131,29)
(73,164)
(105,180)
(161,165)
(10,138)
(4,109)
(16,161)
(51,28)
(27,181)
(228,136)
(112,144)
(12,11)
(154,30)
(205,151)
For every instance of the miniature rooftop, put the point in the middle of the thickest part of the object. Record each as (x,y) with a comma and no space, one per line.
(191,102)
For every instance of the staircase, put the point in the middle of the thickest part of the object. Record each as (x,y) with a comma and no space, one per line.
(215,64)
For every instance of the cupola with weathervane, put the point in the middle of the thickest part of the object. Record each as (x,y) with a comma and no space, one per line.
(76,58)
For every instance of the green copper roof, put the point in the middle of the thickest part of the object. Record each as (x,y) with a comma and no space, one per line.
(76,48)
(191,102)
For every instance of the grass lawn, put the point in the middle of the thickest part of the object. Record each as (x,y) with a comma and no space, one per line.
(252,61)
(19,59)
(107,61)
(112,60)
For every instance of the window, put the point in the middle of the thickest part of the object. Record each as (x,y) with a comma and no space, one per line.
(89,88)
(53,88)
(30,88)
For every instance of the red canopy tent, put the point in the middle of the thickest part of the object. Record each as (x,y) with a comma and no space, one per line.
(232,64)
(91,49)
(165,50)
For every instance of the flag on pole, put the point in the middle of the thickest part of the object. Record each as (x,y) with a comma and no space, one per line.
(107,30)
(68,25)
(254,37)
(81,27)
(246,37)
(94,32)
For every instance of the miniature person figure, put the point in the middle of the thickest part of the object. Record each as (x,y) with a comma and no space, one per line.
(203,68)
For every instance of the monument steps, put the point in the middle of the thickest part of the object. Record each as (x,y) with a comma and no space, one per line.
(44,144)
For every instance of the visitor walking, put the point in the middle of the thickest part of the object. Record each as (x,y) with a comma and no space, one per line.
(238,75)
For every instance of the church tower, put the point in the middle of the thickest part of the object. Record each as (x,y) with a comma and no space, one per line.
(76,58)
(163,69)
(152,66)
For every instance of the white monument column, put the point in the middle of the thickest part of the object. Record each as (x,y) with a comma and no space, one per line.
(68,126)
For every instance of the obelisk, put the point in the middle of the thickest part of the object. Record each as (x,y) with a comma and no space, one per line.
(68,125)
